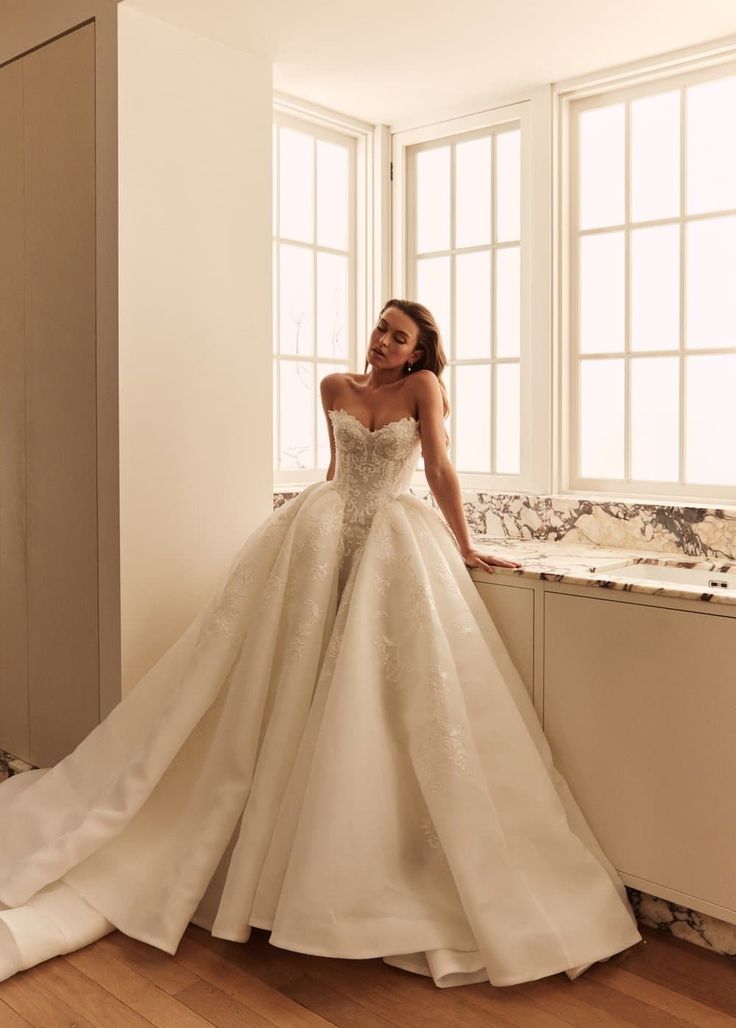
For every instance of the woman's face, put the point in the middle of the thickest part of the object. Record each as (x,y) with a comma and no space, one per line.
(393,340)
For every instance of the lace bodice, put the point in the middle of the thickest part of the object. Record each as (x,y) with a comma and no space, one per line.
(373,465)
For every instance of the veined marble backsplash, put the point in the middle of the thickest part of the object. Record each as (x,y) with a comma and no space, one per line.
(700,531)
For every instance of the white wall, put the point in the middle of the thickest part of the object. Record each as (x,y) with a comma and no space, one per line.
(195,322)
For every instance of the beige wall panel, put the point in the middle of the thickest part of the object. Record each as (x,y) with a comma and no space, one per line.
(512,610)
(195,322)
(59,87)
(14,727)
(640,712)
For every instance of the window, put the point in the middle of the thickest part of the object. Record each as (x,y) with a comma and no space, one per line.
(652,236)
(314,275)
(463,254)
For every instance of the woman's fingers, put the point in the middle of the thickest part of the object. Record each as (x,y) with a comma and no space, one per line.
(486,561)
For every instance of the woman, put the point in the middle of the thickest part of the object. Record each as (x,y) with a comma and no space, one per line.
(338,749)
(406,357)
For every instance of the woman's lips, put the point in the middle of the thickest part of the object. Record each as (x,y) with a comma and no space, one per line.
(377,353)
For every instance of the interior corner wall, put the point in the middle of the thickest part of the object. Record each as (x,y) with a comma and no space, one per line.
(195,322)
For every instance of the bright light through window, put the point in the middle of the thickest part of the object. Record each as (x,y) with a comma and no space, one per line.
(313,256)
(653,298)
(467,271)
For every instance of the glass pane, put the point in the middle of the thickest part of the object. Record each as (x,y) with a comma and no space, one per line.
(655,156)
(433,290)
(508,186)
(323,439)
(275,297)
(447,379)
(711,297)
(602,166)
(711,145)
(433,199)
(655,419)
(274,179)
(473,192)
(655,288)
(602,418)
(332,298)
(473,304)
(296,185)
(297,415)
(508,302)
(710,424)
(473,417)
(275,412)
(332,195)
(602,293)
(508,419)
(296,306)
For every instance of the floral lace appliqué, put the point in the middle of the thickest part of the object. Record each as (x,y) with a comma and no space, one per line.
(372,467)
(443,747)
(232,601)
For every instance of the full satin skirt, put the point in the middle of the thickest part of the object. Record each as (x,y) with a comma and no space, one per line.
(338,749)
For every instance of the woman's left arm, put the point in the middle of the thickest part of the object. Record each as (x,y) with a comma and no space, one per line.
(441,475)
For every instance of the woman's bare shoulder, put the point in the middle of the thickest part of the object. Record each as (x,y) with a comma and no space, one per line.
(337,381)
(342,376)
(424,375)
(424,383)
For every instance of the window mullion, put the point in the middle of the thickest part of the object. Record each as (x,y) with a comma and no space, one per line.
(683,282)
(627,291)
(453,303)
(315,339)
(493,419)
(277,287)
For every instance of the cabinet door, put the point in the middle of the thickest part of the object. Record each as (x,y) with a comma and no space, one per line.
(61,393)
(49,664)
(640,713)
(14,728)
(512,610)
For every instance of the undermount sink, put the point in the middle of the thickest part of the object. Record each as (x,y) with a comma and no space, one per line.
(696,578)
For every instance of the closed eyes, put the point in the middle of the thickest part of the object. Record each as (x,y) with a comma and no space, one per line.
(382,325)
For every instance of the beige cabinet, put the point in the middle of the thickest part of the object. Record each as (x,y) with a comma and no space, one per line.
(640,713)
(512,609)
(49,395)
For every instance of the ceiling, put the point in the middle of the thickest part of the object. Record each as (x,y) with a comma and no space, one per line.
(408,62)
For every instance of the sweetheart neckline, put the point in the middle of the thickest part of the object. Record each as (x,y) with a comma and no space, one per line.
(374,431)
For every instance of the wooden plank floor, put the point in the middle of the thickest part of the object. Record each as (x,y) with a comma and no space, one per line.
(117,981)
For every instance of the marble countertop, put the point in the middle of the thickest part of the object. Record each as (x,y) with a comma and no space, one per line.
(580,564)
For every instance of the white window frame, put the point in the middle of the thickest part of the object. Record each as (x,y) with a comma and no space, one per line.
(533,116)
(666,71)
(368,232)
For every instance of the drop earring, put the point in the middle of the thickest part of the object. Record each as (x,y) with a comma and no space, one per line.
(409,366)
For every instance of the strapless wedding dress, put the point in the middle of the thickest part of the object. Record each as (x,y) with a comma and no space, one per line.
(338,749)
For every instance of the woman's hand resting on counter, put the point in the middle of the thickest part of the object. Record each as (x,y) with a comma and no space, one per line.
(485,561)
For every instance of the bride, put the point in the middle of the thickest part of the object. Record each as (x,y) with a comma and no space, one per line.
(338,749)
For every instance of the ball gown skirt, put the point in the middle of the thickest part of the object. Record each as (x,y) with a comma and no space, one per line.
(338,749)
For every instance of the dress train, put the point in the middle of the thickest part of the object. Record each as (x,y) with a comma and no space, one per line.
(339,750)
